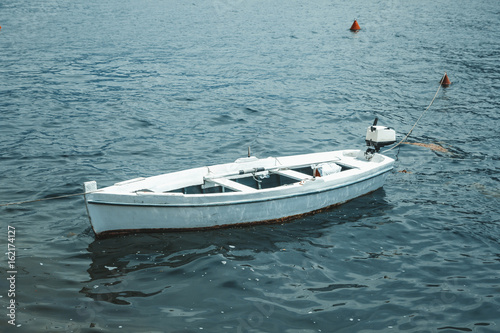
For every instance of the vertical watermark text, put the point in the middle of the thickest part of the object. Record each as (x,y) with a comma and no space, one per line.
(11,273)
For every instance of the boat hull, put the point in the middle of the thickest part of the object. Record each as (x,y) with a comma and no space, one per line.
(152,212)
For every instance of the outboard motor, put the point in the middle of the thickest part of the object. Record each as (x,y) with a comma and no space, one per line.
(378,137)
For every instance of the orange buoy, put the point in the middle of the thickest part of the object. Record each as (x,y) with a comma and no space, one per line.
(445,81)
(355,26)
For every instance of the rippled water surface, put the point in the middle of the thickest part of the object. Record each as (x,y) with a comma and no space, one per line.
(112,90)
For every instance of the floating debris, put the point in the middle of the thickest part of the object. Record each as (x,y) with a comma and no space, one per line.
(405,171)
(431,146)
(489,192)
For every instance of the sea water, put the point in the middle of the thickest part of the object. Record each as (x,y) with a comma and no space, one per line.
(113,90)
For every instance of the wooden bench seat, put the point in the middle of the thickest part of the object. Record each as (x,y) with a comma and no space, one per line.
(231,184)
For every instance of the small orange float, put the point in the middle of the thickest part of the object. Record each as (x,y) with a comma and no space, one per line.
(355,26)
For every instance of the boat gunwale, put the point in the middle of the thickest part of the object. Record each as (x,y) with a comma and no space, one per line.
(222,195)
(237,175)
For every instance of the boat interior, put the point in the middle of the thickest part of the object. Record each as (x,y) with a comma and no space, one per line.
(254,181)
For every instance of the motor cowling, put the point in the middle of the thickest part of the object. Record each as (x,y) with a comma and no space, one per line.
(379,136)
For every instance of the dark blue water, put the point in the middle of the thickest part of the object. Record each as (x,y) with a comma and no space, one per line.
(112,90)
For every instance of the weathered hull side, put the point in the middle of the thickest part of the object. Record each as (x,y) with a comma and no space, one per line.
(115,217)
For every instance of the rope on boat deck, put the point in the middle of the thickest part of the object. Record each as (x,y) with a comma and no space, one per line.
(44,199)
(411,130)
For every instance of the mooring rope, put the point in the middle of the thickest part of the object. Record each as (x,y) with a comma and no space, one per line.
(414,125)
(44,199)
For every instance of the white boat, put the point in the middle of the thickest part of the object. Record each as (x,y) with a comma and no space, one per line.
(249,190)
